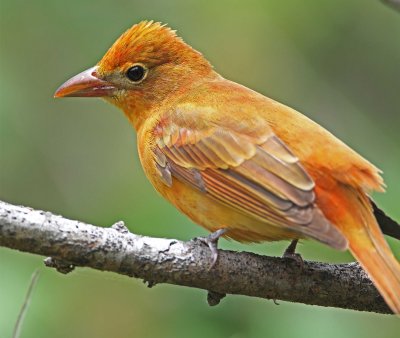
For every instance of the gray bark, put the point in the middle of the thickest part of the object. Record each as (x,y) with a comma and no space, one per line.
(158,260)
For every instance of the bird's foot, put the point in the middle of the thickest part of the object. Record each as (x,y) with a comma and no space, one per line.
(290,252)
(212,241)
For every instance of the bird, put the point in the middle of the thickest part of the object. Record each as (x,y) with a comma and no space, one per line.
(236,162)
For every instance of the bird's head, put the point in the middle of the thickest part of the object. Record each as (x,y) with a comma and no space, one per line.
(146,65)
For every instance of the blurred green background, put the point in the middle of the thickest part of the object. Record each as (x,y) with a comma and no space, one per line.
(337,61)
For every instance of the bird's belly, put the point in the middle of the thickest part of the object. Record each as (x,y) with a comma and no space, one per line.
(213,215)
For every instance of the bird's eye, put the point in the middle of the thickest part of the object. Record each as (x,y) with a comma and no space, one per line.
(136,73)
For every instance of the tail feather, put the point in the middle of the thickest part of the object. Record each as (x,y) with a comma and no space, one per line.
(354,217)
(369,247)
(382,272)
(376,257)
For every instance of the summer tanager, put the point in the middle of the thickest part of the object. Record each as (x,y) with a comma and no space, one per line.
(233,159)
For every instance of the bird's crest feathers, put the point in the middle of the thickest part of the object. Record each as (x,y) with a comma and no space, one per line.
(151,43)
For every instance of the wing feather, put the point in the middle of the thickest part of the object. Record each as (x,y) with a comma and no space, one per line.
(255,173)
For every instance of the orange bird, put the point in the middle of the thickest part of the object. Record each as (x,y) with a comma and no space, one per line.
(234,161)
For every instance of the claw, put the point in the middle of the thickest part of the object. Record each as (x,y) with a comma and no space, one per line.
(212,241)
(290,252)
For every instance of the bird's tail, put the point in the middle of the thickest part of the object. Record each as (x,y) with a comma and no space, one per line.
(355,219)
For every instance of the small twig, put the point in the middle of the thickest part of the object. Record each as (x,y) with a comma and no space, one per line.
(24,308)
(60,266)
(214,298)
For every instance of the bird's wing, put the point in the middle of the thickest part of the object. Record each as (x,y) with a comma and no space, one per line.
(242,164)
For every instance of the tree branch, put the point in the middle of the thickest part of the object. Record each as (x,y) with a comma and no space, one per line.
(158,260)
(395,4)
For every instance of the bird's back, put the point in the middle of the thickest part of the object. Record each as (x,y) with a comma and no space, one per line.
(241,108)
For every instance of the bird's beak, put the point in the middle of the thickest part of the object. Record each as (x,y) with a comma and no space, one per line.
(85,84)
